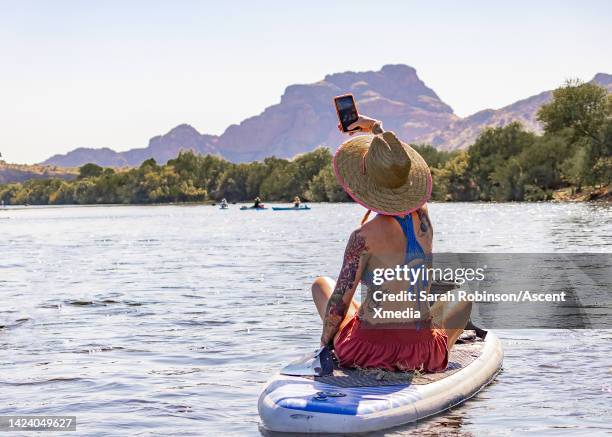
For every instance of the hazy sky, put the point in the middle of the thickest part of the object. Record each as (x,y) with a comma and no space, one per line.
(115,73)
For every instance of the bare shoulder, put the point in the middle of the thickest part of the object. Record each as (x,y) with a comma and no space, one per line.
(378,221)
(375,226)
(380,232)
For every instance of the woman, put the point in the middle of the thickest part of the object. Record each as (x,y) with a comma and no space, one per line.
(389,177)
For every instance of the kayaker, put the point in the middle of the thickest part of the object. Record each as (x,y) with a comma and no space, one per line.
(257,202)
(389,177)
(224,203)
(296,202)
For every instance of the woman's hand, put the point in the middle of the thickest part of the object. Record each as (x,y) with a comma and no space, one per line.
(362,125)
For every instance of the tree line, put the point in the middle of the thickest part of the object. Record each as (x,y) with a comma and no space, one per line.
(511,164)
(504,164)
(188,178)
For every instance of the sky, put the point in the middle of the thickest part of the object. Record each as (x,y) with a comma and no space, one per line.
(115,73)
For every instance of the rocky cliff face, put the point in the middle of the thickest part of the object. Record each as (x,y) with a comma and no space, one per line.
(305,118)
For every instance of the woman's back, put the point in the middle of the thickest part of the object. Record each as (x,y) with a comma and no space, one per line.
(402,245)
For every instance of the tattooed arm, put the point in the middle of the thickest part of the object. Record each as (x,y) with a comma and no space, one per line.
(349,278)
(425,230)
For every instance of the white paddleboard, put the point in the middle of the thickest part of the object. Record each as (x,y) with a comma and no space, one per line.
(308,405)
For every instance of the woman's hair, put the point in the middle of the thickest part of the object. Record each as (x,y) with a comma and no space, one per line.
(365,217)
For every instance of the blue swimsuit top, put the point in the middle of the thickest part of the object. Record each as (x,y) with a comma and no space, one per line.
(413,248)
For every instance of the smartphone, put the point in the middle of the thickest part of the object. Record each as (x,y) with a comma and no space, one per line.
(347,111)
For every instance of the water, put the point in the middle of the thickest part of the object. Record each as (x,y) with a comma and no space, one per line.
(168,320)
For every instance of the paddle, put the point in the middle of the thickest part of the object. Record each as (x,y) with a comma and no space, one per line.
(321,363)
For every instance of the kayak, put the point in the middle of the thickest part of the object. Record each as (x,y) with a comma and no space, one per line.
(291,208)
(358,401)
(245,208)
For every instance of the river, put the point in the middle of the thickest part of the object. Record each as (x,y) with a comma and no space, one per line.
(168,320)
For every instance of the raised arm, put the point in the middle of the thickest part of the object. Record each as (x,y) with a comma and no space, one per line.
(350,276)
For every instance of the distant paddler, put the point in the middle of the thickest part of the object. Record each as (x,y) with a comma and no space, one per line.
(257,203)
(224,204)
(296,202)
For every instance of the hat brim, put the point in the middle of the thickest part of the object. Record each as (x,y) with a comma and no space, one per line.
(406,198)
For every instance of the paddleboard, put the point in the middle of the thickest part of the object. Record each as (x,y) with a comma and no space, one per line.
(357,401)
(291,208)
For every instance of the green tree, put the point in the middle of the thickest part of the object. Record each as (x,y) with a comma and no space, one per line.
(584,107)
(90,171)
(453,182)
(493,150)
(582,113)
(433,157)
(324,187)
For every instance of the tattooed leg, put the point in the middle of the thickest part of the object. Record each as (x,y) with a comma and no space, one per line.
(322,289)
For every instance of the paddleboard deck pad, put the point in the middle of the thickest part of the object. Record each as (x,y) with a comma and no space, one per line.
(360,400)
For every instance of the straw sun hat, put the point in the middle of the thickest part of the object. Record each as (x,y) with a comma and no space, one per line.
(383,174)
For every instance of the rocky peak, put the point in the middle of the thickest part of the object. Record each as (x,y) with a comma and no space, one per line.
(305,117)
(183,133)
(604,80)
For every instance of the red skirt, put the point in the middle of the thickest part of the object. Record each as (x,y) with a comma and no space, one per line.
(394,349)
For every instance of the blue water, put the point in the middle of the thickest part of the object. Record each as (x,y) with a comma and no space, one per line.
(168,320)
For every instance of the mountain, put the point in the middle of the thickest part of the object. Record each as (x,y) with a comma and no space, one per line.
(161,147)
(305,118)
(461,133)
(168,146)
(302,120)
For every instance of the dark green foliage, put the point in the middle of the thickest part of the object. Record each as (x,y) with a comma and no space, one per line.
(187,178)
(325,188)
(582,114)
(433,157)
(508,163)
(90,171)
(504,164)
(494,164)
(583,107)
